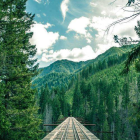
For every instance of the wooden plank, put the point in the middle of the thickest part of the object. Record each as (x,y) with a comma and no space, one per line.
(89,124)
(51,124)
(69,127)
(59,124)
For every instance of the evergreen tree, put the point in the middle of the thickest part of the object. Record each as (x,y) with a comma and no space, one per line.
(126,99)
(17,99)
(44,99)
(56,108)
(93,102)
(134,55)
(77,106)
(62,100)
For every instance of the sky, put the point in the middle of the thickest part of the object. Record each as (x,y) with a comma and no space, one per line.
(75,29)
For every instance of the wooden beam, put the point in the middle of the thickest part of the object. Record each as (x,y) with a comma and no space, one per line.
(59,124)
(89,124)
(51,124)
(101,132)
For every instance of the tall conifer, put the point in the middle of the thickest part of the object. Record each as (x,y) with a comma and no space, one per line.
(17,99)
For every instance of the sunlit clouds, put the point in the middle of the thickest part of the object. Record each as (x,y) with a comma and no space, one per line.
(79,25)
(64,8)
(42,38)
(76,30)
(76,54)
(38,1)
(63,38)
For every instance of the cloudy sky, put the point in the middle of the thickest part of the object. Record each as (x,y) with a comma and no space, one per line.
(75,29)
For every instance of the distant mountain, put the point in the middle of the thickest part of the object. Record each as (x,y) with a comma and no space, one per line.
(63,66)
(61,71)
(112,52)
(101,95)
(57,73)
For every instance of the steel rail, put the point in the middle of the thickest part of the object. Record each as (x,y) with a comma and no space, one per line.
(62,125)
(76,135)
(64,135)
(88,138)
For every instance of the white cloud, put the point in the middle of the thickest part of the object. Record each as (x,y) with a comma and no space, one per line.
(88,40)
(45,51)
(48,1)
(75,54)
(103,13)
(64,8)
(93,22)
(106,42)
(77,36)
(51,52)
(93,4)
(43,1)
(38,1)
(88,37)
(48,25)
(42,38)
(79,25)
(38,15)
(44,14)
(63,38)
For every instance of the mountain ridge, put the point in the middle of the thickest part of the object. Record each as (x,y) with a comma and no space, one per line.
(61,71)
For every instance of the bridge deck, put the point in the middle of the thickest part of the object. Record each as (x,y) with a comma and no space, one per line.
(70,129)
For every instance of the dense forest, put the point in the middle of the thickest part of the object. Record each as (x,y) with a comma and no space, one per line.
(104,91)
(101,95)
(19,117)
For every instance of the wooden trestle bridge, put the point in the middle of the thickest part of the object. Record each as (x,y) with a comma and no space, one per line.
(70,129)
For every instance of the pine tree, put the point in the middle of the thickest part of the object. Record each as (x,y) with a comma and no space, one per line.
(56,108)
(44,99)
(77,107)
(110,107)
(93,103)
(62,100)
(134,55)
(126,99)
(18,110)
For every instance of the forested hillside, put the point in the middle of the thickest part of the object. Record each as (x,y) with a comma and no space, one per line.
(110,101)
(19,119)
(60,72)
(101,95)
(63,66)
(104,91)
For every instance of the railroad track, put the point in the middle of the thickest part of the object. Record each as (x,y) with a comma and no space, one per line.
(70,129)
(78,131)
(61,133)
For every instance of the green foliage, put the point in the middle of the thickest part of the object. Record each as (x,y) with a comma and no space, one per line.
(130,2)
(52,80)
(134,54)
(62,66)
(108,99)
(56,108)
(56,99)
(18,109)
(58,73)
(92,92)
(44,99)
(64,72)
(77,107)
